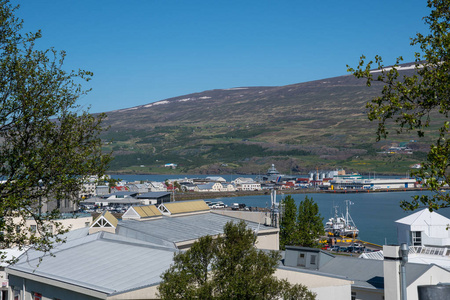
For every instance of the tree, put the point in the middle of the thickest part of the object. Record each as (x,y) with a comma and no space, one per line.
(48,146)
(288,224)
(229,267)
(310,223)
(419,102)
(302,226)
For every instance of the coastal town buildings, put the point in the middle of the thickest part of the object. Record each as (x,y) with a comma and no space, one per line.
(140,247)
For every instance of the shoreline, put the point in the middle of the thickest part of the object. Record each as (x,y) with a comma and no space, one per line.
(214,195)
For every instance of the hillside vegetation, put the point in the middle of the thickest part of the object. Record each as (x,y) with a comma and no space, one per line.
(320,124)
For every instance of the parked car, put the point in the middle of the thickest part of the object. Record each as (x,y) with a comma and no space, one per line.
(219,204)
(335,248)
(235,206)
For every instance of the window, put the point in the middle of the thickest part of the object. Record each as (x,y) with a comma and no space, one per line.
(301,260)
(416,238)
(313,260)
(16,293)
(354,296)
(33,228)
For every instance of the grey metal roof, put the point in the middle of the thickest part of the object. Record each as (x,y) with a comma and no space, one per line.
(96,261)
(133,258)
(183,228)
(152,195)
(366,273)
(120,193)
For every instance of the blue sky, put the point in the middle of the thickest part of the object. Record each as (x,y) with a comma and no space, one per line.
(142,51)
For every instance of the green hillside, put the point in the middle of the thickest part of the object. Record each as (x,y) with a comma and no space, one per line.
(319,124)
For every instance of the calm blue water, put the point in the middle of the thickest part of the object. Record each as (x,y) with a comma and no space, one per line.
(373,213)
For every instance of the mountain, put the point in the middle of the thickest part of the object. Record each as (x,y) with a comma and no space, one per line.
(318,124)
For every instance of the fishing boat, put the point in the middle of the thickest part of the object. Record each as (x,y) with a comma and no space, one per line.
(341,225)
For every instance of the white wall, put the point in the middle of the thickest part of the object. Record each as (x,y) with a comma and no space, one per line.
(368,294)
(325,287)
(433,276)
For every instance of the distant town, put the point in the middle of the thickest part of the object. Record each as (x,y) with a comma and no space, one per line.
(97,196)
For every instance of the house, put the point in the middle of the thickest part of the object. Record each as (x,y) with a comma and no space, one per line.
(424,228)
(249,186)
(426,235)
(188,186)
(138,187)
(210,187)
(240,180)
(228,187)
(88,187)
(155,186)
(101,190)
(216,179)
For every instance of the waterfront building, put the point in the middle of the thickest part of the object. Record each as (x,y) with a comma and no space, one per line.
(357,182)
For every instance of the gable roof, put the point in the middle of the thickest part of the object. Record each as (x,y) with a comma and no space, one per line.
(139,212)
(178,207)
(424,218)
(106,219)
(206,186)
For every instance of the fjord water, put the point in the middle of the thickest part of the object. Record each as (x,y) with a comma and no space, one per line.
(373,213)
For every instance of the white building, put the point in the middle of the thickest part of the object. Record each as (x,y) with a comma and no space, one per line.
(424,228)
(210,187)
(249,186)
(155,186)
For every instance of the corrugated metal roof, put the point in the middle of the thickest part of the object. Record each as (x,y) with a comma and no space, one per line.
(111,219)
(133,258)
(147,211)
(98,260)
(182,228)
(186,206)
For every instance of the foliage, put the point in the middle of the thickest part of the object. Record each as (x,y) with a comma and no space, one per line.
(310,223)
(48,146)
(229,267)
(288,223)
(414,103)
(302,226)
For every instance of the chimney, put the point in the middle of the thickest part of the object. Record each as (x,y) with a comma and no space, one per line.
(391,270)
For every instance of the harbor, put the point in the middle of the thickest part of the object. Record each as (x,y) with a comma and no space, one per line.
(373,213)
